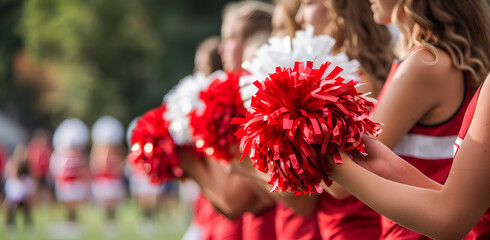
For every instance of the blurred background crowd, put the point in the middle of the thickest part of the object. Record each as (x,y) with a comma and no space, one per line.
(88,59)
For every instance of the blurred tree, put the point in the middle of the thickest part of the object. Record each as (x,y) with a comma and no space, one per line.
(10,43)
(112,57)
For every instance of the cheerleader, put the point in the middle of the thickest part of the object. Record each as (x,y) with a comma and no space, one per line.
(106,165)
(39,151)
(204,215)
(423,102)
(69,165)
(241,21)
(458,209)
(19,188)
(350,23)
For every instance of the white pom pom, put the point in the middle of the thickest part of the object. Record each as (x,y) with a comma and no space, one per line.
(70,133)
(184,98)
(107,130)
(318,49)
(275,53)
(284,52)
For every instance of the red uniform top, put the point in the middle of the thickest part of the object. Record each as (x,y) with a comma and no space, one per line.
(73,161)
(204,215)
(429,149)
(292,226)
(39,154)
(482,228)
(214,226)
(227,229)
(108,164)
(260,225)
(348,218)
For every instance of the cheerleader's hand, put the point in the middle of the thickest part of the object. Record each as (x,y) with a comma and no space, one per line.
(379,159)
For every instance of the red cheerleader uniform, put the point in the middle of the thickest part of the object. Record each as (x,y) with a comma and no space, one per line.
(260,225)
(347,218)
(70,182)
(293,226)
(108,181)
(215,226)
(429,149)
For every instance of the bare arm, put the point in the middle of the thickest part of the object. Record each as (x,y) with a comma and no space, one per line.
(448,213)
(416,91)
(304,205)
(230,193)
(419,92)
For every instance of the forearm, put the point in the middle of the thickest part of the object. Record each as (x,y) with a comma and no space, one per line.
(304,205)
(415,208)
(403,172)
(335,190)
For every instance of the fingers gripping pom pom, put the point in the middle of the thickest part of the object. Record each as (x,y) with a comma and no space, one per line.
(212,128)
(152,148)
(297,119)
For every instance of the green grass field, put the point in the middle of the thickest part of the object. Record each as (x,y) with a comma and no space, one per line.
(170,223)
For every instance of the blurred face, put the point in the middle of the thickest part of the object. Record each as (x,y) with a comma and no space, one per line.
(312,12)
(280,22)
(231,46)
(382,10)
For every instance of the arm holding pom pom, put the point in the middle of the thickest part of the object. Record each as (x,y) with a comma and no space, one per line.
(383,162)
(423,92)
(230,193)
(448,213)
(303,204)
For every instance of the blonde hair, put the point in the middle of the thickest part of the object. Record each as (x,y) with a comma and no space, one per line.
(255,16)
(360,37)
(253,43)
(209,49)
(291,7)
(461,28)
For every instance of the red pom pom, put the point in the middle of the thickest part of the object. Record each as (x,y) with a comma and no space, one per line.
(152,148)
(297,119)
(211,126)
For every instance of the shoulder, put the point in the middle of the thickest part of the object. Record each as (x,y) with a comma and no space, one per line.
(424,67)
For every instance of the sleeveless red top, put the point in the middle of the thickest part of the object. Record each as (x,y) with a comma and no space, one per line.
(347,218)
(430,149)
(481,230)
(73,165)
(215,226)
(260,225)
(292,226)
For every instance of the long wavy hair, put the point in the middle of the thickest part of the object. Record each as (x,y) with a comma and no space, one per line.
(360,37)
(461,28)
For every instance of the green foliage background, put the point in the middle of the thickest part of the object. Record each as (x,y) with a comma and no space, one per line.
(108,57)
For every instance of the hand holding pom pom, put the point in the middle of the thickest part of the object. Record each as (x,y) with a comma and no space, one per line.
(297,119)
(211,126)
(153,150)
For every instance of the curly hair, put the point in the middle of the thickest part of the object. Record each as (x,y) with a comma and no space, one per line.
(360,37)
(461,28)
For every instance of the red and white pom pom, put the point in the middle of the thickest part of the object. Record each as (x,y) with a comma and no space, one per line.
(297,119)
(181,100)
(152,148)
(211,125)
(285,52)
